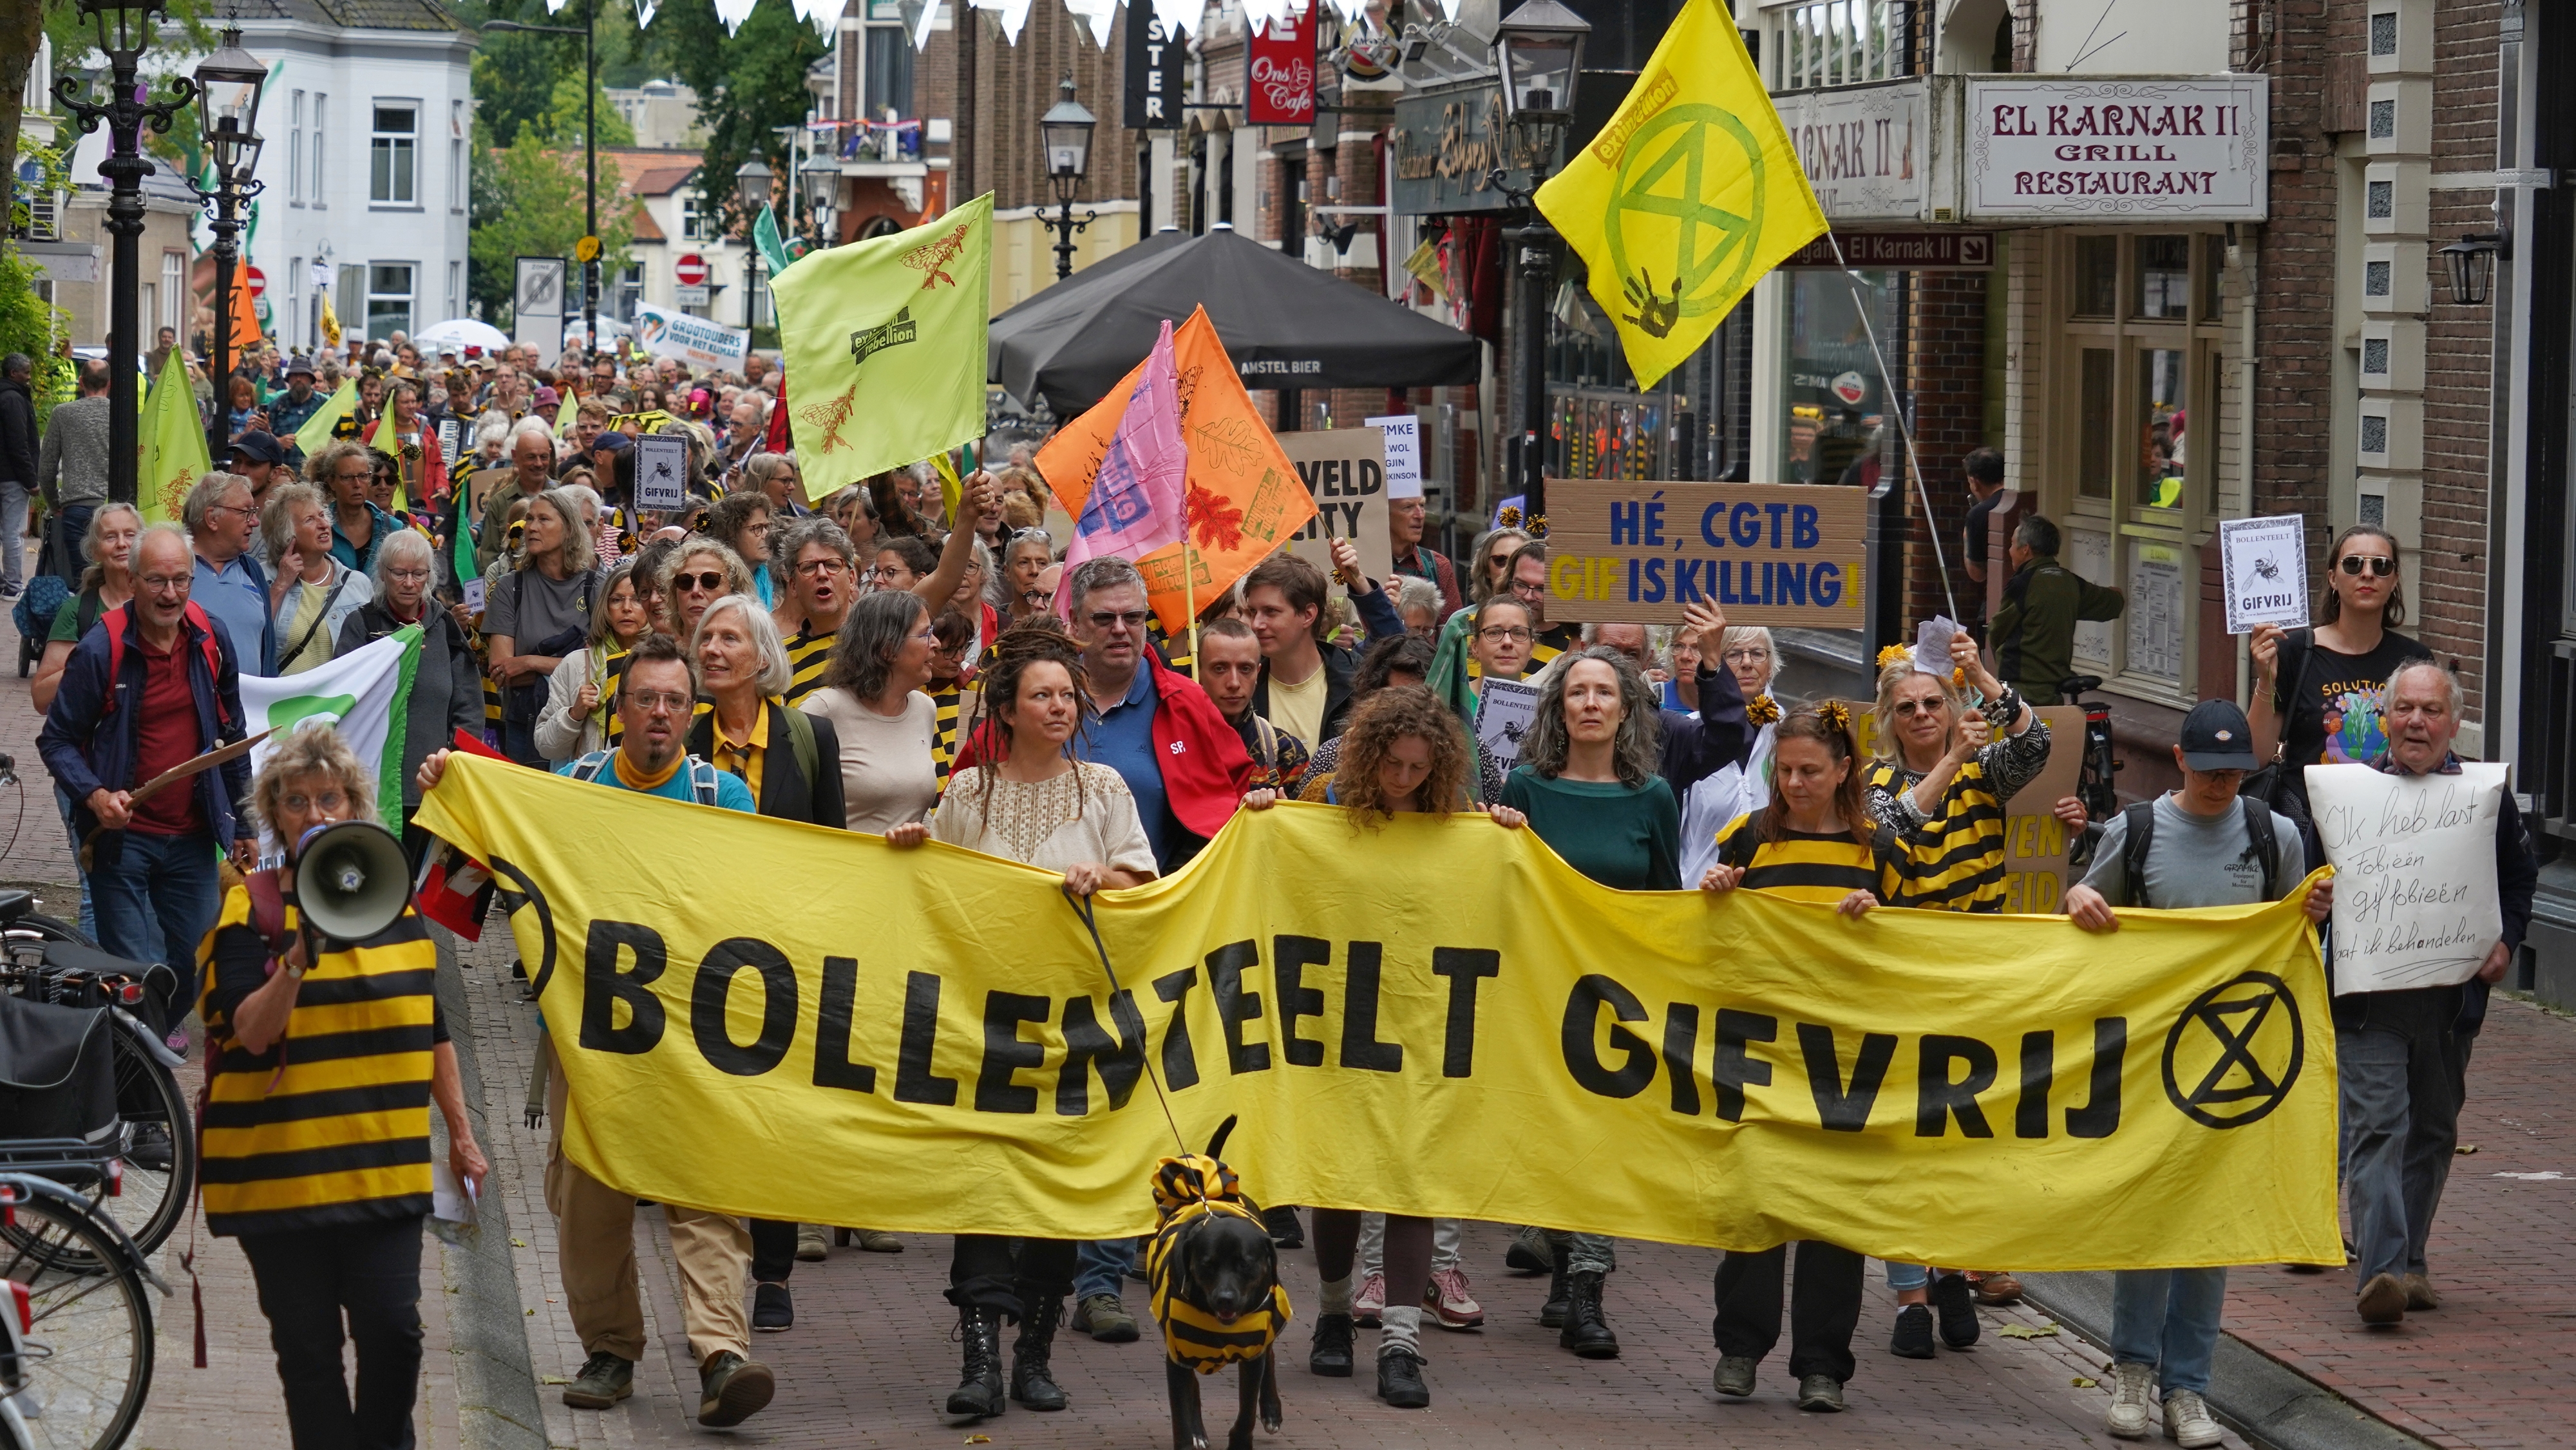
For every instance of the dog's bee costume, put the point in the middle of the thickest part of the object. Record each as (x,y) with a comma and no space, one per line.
(1189,1191)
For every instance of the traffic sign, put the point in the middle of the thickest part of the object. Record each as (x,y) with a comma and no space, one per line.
(586,250)
(255,279)
(690,270)
(688,296)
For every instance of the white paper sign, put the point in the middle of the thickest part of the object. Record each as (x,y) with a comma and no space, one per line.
(2415,884)
(2266,563)
(474,595)
(661,471)
(1504,717)
(1403,453)
(1932,646)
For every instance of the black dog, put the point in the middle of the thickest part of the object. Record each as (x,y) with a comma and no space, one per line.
(1215,1292)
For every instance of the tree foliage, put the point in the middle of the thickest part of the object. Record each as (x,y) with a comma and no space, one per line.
(748,84)
(528,203)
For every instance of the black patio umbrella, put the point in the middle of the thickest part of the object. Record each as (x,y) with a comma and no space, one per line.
(1285,324)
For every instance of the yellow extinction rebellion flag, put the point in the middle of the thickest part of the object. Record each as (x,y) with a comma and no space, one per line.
(885,340)
(174,444)
(1688,195)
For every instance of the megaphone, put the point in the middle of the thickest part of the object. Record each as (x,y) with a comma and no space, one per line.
(351,879)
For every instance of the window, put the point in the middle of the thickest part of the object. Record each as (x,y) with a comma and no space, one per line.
(174,289)
(455,289)
(1836,43)
(1835,402)
(392,155)
(294,312)
(295,152)
(691,222)
(321,188)
(2097,276)
(888,78)
(458,171)
(2164,276)
(389,298)
(2093,441)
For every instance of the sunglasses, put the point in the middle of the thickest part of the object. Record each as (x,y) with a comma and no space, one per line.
(2381,566)
(711,580)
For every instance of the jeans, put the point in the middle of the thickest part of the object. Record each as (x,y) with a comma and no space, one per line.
(13,534)
(2402,1077)
(1101,1266)
(88,911)
(1586,1253)
(156,902)
(1824,1307)
(773,1250)
(519,742)
(71,525)
(1447,1242)
(2168,1318)
(1902,1277)
(307,1279)
(986,1271)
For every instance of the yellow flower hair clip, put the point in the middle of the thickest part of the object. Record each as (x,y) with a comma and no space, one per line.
(1895,654)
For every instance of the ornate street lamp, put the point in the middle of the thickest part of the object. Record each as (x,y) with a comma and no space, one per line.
(1538,59)
(822,193)
(751,187)
(2472,262)
(125,29)
(228,87)
(1065,133)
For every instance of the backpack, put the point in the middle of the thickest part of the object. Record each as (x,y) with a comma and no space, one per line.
(194,614)
(702,776)
(2141,819)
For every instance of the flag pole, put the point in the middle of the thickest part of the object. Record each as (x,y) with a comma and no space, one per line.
(1190,600)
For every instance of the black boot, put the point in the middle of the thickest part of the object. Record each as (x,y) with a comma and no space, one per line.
(1585,1332)
(979,1390)
(1552,1313)
(1031,1384)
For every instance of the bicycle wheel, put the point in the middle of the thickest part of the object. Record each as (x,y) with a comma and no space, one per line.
(90,1336)
(161,1155)
(40,927)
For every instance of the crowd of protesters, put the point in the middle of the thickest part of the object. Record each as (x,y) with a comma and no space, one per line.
(881,657)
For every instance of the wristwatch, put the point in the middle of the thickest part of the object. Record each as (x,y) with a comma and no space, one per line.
(291,970)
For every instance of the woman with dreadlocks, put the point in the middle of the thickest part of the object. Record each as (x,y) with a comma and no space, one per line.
(1029,801)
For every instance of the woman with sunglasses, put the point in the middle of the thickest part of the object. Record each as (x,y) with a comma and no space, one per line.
(2316,691)
(700,572)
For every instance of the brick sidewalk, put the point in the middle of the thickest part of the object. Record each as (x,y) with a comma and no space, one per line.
(2490,1368)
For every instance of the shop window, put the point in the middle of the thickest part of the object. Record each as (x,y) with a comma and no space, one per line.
(2094,441)
(2163,441)
(2097,276)
(2164,277)
(1834,395)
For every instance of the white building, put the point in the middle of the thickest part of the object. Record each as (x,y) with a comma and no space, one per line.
(662,113)
(368,119)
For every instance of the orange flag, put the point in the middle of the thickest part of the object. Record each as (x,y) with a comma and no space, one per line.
(1245,500)
(245,310)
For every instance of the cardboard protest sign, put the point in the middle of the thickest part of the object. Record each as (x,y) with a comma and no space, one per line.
(2266,569)
(1503,714)
(1774,554)
(2415,900)
(1345,472)
(2036,842)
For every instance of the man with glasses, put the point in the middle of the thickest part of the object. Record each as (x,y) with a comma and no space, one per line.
(153,684)
(595,1224)
(1527,579)
(821,581)
(231,587)
(2034,632)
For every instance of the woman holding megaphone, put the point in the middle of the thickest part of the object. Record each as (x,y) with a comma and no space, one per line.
(324,1049)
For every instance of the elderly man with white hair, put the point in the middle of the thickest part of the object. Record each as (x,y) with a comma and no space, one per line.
(2402,1057)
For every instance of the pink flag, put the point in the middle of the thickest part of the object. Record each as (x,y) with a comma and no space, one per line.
(1137,504)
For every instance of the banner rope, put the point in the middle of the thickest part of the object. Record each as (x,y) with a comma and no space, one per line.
(1082,907)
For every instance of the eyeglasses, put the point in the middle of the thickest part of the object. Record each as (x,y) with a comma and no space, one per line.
(406,576)
(1497,633)
(710,581)
(1131,619)
(656,702)
(345,476)
(231,508)
(1526,590)
(2380,565)
(821,566)
(329,802)
(1039,598)
(179,582)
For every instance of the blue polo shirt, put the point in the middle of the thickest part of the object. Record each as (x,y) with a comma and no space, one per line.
(1123,740)
(236,598)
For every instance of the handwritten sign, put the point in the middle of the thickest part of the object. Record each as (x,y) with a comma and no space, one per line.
(1345,470)
(2266,565)
(1403,453)
(2415,884)
(661,471)
(1503,713)
(1773,554)
(2036,842)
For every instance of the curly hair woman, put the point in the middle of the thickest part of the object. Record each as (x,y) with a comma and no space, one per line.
(1028,801)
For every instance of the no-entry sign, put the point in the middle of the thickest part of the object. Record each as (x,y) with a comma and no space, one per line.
(690,270)
(255,279)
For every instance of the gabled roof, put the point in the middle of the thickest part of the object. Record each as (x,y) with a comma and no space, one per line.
(646,172)
(351,14)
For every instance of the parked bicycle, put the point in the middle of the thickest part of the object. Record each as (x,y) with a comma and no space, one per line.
(2094,783)
(76,1325)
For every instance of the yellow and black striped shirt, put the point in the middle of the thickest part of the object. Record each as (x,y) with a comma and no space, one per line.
(331,1124)
(1815,866)
(613,729)
(808,656)
(943,737)
(1188,1192)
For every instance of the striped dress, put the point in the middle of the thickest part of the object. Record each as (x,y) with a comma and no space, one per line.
(1821,867)
(1960,843)
(330,1125)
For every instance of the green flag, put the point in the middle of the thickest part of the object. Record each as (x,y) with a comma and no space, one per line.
(174,443)
(338,408)
(885,339)
(764,234)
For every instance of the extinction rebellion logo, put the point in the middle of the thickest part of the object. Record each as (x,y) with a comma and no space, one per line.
(877,339)
(1667,166)
(2235,1051)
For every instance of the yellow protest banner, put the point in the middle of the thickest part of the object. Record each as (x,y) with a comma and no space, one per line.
(935,1037)
(1687,196)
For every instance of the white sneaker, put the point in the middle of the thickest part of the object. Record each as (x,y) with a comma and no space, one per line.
(1369,1304)
(2188,1422)
(2133,1401)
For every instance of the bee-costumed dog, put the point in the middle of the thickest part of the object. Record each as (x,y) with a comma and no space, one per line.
(1215,1290)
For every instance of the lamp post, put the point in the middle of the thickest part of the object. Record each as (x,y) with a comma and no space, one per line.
(228,87)
(1538,57)
(822,194)
(124,32)
(2472,262)
(1065,132)
(751,182)
(588,31)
